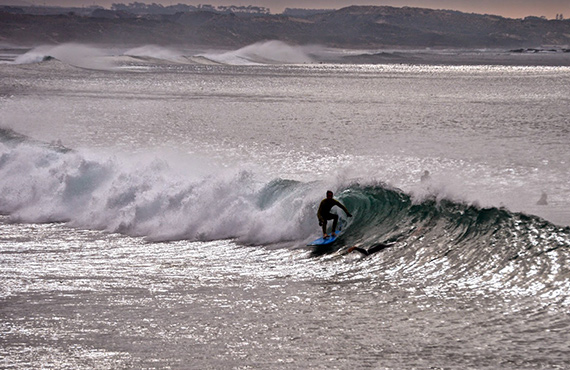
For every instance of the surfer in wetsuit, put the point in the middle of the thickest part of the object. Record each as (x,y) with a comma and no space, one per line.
(373,249)
(324,213)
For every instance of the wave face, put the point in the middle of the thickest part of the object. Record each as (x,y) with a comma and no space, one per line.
(148,197)
(454,246)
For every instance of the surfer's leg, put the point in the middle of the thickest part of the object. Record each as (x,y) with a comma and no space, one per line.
(335,222)
(324,225)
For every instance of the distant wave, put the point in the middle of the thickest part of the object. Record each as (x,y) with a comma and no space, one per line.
(156,52)
(73,54)
(261,53)
(269,52)
(32,57)
(83,56)
(89,57)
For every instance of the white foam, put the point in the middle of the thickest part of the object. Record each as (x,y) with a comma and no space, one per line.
(147,196)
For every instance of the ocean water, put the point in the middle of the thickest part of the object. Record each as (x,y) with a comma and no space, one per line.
(156,207)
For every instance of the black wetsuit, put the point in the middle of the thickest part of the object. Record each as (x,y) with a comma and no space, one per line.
(324,213)
(373,249)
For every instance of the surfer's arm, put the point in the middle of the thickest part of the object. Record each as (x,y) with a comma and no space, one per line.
(343,208)
(361,250)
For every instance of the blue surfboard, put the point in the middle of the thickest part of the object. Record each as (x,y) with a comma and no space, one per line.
(324,241)
(330,239)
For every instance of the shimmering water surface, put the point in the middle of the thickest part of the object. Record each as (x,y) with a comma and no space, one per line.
(156,215)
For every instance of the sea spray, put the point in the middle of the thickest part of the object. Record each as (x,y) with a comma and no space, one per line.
(156,52)
(143,197)
(74,54)
(268,52)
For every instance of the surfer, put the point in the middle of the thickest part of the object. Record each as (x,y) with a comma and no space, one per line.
(324,213)
(373,249)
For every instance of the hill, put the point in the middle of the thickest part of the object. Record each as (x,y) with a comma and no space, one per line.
(351,27)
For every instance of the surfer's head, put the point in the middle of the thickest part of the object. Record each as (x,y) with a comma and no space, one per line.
(329,194)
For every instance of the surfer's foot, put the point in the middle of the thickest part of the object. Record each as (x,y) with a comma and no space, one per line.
(333,234)
(325,236)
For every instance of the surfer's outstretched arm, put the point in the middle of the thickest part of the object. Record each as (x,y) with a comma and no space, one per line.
(375,248)
(341,206)
(378,247)
(358,249)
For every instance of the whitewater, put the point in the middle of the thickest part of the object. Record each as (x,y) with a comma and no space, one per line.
(156,205)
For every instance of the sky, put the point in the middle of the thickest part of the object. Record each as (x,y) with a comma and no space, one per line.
(505,8)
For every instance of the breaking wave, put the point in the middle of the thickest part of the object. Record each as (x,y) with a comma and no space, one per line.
(268,52)
(73,54)
(156,52)
(141,197)
(149,198)
(83,56)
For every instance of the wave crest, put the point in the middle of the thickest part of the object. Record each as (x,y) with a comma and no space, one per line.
(268,52)
(73,54)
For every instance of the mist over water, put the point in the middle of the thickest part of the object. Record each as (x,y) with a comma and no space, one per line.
(156,213)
